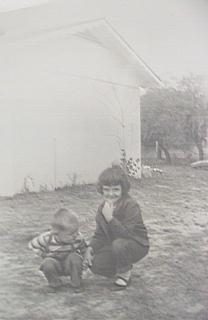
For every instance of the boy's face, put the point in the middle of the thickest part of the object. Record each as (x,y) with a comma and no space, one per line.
(64,235)
(112,193)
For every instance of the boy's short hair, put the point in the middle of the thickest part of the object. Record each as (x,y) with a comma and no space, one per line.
(113,176)
(66,220)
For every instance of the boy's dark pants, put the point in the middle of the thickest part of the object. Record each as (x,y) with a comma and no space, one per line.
(70,266)
(117,257)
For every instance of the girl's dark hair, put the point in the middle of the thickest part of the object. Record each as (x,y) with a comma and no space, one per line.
(113,176)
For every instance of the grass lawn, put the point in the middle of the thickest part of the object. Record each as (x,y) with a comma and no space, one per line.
(170,283)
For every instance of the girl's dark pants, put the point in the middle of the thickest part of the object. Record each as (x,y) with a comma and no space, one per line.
(70,266)
(117,257)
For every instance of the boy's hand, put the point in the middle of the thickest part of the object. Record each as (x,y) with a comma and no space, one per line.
(107,211)
(88,257)
(37,251)
(40,253)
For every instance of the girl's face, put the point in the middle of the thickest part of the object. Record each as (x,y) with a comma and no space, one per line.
(112,193)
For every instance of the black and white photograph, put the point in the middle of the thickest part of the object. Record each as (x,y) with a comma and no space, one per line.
(104,160)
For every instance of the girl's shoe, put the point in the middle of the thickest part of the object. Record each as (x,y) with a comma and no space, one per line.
(122,281)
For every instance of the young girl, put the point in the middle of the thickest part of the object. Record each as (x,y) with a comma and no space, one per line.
(120,238)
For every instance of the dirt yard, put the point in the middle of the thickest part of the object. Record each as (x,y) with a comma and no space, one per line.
(170,283)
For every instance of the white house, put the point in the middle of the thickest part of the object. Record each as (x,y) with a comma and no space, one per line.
(69,101)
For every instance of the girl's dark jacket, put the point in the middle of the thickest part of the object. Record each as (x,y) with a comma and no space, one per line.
(127,223)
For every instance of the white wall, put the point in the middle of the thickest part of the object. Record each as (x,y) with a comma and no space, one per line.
(6,165)
(79,134)
(42,101)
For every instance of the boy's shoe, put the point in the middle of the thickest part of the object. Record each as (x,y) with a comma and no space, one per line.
(78,289)
(49,289)
(55,283)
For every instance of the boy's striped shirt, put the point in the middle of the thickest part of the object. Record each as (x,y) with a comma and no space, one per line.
(47,244)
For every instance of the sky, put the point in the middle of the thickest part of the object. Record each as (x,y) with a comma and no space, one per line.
(171,36)
(8,5)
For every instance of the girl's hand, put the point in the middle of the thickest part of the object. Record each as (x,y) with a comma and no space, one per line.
(107,211)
